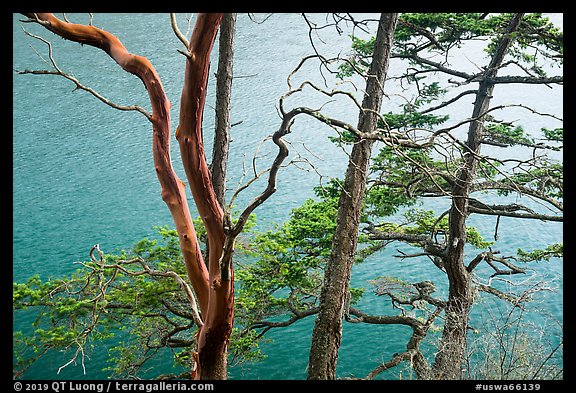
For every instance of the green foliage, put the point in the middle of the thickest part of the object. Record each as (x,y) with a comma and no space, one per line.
(449,27)
(507,134)
(312,225)
(535,40)
(285,261)
(400,179)
(279,273)
(245,344)
(476,239)
(412,119)
(454,28)
(547,178)
(426,222)
(285,273)
(357,63)
(385,201)
(138,315)
(555,250)
(555,135)
(111,301)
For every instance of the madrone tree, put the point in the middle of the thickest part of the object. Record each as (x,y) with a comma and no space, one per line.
(210,273)
(422,154)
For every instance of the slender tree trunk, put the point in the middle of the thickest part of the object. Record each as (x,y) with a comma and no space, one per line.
(215,295)
(173,189)
(327,333)
(218,319)
(449,360)
(213,343)
(224,77)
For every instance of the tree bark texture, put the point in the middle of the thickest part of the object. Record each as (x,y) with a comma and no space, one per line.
(224,77)
(215,296)
(173,189)
(327,332)
(218,317)
(449,360)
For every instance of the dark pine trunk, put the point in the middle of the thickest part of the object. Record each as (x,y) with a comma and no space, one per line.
(451,354)
(327,333)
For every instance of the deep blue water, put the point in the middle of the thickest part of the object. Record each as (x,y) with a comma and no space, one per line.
(83,172)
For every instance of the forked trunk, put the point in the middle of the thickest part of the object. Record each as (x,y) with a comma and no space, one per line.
(450,358)
(215,292)
(451,354)
(219,316)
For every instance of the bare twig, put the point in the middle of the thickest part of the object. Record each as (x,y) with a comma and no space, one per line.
(57,71)
(181,37)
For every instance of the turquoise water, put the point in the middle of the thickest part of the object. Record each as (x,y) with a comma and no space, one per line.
(83,172)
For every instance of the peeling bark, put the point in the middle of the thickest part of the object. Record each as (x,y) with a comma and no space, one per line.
(218,320)
(173,189)
(215,296)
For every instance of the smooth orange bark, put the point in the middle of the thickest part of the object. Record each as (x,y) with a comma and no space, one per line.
(215,295)
(214,335)
(173,189)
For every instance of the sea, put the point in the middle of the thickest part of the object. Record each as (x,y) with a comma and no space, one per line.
(83,173)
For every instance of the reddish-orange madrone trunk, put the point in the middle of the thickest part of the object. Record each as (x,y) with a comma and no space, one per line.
(218,318)
(215,295)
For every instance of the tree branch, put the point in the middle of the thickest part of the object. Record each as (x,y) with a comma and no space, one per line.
(181,37)
(173,189)
(79,85)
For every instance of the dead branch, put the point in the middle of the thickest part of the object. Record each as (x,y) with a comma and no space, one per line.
(181,37)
